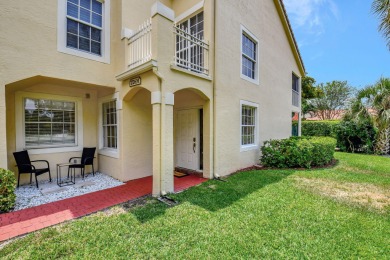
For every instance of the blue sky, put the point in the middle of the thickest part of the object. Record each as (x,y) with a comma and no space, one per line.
(339,40)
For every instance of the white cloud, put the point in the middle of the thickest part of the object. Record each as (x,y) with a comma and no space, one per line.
(309,17)
(310,13)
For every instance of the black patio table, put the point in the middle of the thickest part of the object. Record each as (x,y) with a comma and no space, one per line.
(69,180)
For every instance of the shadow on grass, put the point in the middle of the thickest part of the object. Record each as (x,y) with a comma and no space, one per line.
(215,195)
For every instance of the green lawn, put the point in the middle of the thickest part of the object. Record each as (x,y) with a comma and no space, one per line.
(256,214)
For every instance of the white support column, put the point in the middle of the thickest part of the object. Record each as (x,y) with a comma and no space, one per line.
(208,140)
(156,104)
(163,162)
(167,181)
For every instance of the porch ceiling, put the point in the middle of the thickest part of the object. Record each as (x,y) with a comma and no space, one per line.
(28,82)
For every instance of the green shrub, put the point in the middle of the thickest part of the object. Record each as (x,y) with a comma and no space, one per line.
(298,152)
(7,188)
(356,136)
(319,128)
(323,150)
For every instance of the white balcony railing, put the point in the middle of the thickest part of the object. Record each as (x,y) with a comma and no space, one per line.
(140,45)
(192,52)
(295,98)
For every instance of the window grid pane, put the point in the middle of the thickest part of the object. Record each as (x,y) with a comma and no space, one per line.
(248,57)
(110,139)
(189,54)
(248,125)
(49,123)
(85,35)
(295,83)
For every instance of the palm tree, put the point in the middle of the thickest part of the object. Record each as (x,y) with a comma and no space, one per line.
(382,9)
(373,104)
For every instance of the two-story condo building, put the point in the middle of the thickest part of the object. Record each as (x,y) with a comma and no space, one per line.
(154,85)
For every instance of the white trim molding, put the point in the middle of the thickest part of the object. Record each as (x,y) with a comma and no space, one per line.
(156,97)
(126,33)
(186,14)
(169,98)
(20,125)
(163,10)
(244,148)
(61,34)
(249,34)
(109,152)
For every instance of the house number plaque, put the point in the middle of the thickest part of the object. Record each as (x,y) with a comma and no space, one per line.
(135,81)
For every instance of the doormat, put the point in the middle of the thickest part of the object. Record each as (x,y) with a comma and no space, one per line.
(180,174)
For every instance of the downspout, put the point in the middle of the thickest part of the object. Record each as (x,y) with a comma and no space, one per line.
(162,124)
(216,175)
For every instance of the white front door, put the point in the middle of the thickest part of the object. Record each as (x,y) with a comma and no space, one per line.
(187,139)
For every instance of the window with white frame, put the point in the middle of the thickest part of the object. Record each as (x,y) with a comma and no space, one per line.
(249,56)
(189,48)
(295,90)
(83,28)
(84,20)
(49,123)
(110,133)
(248,125)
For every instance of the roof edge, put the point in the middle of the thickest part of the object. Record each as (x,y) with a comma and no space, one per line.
(290,34)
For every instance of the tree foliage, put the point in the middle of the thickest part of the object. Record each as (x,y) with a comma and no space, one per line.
(353,136)
(309,91)
(382,9)
(372,104)
(332,98)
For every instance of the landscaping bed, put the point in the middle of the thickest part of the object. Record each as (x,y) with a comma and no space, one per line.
(30,196)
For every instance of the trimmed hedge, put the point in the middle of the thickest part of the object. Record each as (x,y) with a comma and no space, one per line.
(320,128)
(298,152)
(7,188)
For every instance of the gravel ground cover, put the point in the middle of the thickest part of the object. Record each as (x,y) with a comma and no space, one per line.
(29,196)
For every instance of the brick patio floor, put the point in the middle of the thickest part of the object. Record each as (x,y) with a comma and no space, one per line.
(24,221)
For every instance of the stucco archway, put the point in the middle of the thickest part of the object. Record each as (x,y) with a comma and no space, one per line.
(193,132)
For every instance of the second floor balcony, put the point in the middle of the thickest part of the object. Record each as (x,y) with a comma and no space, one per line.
(160,41)
(295,98)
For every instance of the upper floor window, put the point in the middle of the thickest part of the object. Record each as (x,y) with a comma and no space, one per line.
(249,56)
(84,29)
(190,46)
(84,25)
(295,90)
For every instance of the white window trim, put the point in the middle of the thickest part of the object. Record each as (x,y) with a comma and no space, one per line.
(20,123)
(110,152)
(249,147)
(257,72)
(61,34)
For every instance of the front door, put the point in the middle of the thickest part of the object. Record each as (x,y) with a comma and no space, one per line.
(187,139)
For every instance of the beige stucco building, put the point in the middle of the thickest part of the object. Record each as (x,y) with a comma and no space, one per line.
(197,84)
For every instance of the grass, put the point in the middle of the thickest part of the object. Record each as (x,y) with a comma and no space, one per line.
(256,214)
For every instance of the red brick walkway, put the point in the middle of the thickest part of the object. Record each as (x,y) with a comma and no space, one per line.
(28,220)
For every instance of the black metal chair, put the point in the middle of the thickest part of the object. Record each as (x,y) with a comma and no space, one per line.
(24,166)
(86,159)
